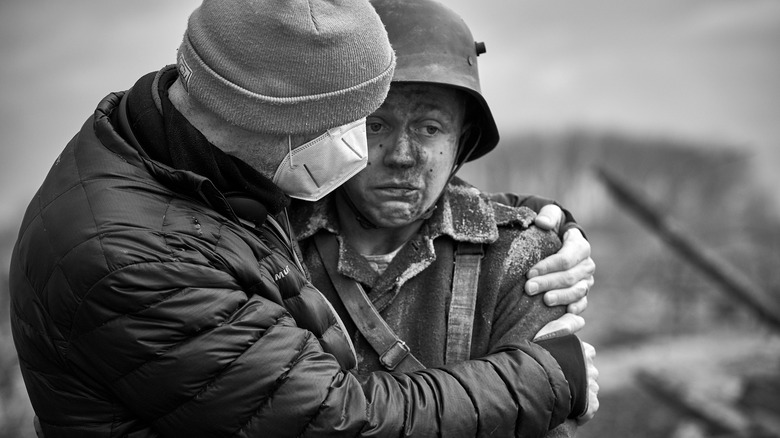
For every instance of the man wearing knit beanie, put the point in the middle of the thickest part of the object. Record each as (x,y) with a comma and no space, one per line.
(155,290)
(286,67)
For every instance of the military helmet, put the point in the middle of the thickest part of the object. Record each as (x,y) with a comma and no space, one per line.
(434,45)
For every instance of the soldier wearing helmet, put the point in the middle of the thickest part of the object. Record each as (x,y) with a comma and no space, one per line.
(424,269)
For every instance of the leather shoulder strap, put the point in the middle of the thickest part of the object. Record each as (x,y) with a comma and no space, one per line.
(465,281)
(393,352)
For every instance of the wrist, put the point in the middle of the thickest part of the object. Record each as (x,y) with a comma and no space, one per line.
(567,351)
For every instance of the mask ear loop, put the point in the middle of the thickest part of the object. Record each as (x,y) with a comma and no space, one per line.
(290,154)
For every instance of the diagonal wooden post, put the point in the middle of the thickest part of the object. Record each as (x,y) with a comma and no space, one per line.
(723,418)
(725,274)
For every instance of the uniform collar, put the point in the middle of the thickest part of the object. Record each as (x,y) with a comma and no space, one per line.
(463,213)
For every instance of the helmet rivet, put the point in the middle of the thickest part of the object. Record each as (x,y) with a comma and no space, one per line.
(480,46)
(470,59)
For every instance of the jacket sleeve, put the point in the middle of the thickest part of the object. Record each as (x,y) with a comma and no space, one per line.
(215,361)
(518,316)
(536,203)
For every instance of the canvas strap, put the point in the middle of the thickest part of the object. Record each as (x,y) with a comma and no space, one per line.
(465,280)
(393,352)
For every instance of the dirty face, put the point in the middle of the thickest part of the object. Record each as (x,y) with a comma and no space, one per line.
(412,145)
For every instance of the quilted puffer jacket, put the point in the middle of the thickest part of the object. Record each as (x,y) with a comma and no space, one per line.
(141,305)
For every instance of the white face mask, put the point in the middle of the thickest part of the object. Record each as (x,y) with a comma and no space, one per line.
(311,171)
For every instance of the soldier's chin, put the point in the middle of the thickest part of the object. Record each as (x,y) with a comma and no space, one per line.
(394,215)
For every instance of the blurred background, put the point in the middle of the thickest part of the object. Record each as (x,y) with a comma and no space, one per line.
(675,104)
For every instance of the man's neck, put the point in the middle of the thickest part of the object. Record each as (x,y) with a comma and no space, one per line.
(372,241)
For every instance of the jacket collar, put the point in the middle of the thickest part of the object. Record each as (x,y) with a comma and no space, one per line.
(183,182)
(178,155)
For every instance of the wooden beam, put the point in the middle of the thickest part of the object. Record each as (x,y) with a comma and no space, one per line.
(726,275)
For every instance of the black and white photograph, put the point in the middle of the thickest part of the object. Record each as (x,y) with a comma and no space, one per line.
(423,218)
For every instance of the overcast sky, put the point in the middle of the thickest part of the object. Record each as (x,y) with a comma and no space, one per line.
(696,69)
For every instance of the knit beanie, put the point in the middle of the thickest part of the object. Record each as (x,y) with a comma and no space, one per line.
(286,66)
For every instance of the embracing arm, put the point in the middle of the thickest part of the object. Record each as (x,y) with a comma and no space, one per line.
(560,224)
(520,316)
(214,361)
(565,277)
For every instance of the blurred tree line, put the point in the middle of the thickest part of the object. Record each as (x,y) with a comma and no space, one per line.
(15,410)
(642,288)
(645,294)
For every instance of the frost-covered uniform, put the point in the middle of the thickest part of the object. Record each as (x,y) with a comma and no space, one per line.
(413,293)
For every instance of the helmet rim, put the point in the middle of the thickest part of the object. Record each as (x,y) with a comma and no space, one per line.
(433,45)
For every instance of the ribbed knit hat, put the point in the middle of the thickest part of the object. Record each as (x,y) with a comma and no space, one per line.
(286,66)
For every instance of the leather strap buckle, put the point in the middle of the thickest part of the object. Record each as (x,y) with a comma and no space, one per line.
(394,355)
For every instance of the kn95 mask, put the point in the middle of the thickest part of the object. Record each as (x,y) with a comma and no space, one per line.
(313,170)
